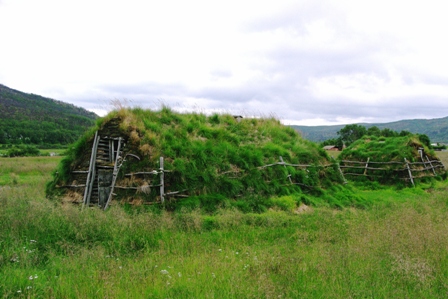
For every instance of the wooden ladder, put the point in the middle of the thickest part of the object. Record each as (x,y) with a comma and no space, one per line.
(103,159)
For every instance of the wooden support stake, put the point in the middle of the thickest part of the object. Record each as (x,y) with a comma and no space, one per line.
(409,170)
(115,174)
(433,170)
(162,178)
(283,162)
(111,150)
(342,174)
(367,165)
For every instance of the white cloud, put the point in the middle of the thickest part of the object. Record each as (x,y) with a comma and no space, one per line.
(316,61)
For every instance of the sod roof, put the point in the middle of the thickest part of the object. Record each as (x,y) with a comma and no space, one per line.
(391,160)
(218,155)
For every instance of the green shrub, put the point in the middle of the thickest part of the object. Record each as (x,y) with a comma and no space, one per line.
(23,150)
(285,203)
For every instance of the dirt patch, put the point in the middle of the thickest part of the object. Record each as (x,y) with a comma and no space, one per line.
(303,208)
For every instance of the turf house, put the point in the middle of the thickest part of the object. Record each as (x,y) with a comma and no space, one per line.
(145,157)
(402,160)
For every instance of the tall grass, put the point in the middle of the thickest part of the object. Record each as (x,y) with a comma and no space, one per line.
(393,248)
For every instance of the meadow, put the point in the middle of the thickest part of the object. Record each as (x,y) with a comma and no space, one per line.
(395,247)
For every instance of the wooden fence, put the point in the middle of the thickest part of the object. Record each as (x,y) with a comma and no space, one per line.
(380,171)
(404,170)
(374,170)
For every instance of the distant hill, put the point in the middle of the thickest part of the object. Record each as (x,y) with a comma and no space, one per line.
(33,119)
(436,129)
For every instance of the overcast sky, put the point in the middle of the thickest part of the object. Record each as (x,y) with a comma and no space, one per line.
(305,62)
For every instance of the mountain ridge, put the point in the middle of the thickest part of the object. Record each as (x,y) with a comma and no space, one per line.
(436,129)
(34,119)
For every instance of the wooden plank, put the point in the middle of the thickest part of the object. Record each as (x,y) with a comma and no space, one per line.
(154,172)
(433,170)
(87,191)
(162,178)
(93,172)
(367,165)
(409,170)
(114,175)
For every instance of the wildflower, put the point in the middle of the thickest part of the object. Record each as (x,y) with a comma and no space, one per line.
(19,291)
(31,277)
(29,287)
(33,241)
(35,276)
(164,272)
(236,253)
(213,275)
(179,274)
(220,250)
(15,259)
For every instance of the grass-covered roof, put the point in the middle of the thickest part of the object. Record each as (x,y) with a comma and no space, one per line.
(387,149)
(216,156)
(391,160)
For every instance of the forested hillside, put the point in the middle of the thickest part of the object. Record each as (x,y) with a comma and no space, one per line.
(33,119)
(436,129)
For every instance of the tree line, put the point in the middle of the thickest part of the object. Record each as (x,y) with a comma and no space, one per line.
(353,132)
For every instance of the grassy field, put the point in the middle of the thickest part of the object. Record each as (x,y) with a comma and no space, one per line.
(394,248)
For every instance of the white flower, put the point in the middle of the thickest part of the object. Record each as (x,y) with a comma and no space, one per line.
(29,287)
(179,274)
(164,272)
(19,291)
(31,277)
(219,249)
(33,241)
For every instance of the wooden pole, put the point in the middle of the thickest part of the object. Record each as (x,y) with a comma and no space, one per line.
(114,177)
(409,170)
(342,174)
(433,170)
(283,162)
(162,178)
(367,165)
(88,189)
